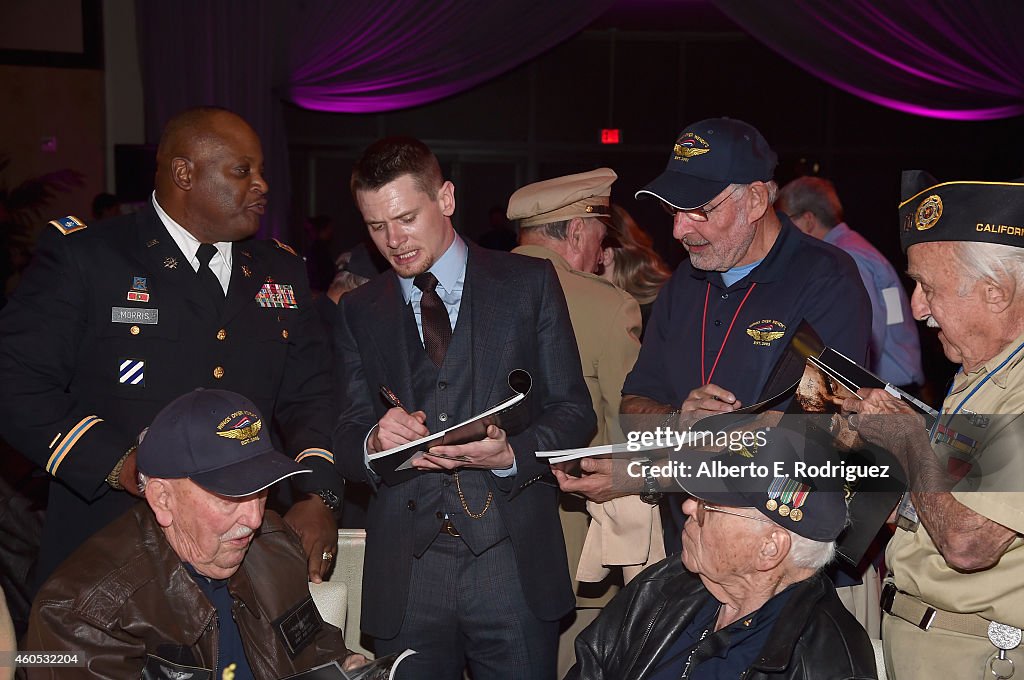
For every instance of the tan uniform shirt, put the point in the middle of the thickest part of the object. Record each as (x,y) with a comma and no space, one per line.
(990,448)
(606,321)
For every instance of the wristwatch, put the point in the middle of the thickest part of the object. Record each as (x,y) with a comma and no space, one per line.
(329,498)
(650,494)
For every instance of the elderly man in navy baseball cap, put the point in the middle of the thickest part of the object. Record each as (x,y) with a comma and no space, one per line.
(218,440)
(201,579)
(724,319)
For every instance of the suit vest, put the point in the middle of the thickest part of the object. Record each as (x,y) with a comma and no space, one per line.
(445,394)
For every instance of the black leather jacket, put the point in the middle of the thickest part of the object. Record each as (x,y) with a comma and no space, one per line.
(126,603)
(815,637)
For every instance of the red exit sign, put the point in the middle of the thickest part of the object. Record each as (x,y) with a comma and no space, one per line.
(610,136)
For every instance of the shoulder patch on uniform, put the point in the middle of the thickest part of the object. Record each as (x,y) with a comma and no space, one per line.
(285,247)
(68,225)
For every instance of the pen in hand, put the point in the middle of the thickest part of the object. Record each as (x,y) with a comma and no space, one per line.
(391,397)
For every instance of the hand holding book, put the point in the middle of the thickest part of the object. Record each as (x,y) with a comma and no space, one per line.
(706,400)
(493,452)
(480,441)
(881,419)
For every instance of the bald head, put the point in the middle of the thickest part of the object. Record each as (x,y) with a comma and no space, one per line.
(209,176)
(191,130)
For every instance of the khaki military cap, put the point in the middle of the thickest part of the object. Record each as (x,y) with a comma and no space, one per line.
(562,198)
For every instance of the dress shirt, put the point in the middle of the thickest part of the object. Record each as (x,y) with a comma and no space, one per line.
(895,345)
(450,271)
(188,244)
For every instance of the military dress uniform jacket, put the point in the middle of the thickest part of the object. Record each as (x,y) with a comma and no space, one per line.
(978,438)
(110,324)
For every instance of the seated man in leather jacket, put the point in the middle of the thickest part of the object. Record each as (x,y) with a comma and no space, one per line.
(748,599)
(201,581)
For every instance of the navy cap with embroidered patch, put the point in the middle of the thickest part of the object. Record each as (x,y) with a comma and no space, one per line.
(814,508)
(987,212)
(707,157)
(219,440)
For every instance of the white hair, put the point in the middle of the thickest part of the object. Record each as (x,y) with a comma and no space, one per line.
(770,185)
(989,261)
(809,554)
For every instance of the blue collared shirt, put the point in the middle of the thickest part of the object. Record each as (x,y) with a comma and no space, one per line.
(895,345)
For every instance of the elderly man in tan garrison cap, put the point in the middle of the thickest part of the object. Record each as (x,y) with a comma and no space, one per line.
(563,220)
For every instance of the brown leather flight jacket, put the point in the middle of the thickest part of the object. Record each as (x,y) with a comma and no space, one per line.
(126,604)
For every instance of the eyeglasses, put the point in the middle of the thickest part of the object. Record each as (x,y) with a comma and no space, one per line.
(698,214)
(703,508)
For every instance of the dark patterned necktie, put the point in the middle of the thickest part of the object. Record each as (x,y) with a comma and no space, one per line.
(207,279)
(437,328)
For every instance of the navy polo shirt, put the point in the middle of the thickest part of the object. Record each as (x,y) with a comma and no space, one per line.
(801,278)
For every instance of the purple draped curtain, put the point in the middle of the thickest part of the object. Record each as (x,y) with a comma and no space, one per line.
(353,56)
(360,57)
(938,58)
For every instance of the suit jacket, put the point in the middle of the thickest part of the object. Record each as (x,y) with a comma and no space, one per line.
(624,531)
(81,377)
(519,320)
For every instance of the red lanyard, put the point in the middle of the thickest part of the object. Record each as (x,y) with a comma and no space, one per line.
(703,328)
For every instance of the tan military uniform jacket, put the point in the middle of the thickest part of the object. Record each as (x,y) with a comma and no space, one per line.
(988,448)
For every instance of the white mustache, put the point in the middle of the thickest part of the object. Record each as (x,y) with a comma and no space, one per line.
(930,322)
(241,531)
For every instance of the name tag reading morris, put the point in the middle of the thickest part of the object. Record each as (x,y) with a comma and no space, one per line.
(134,315)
